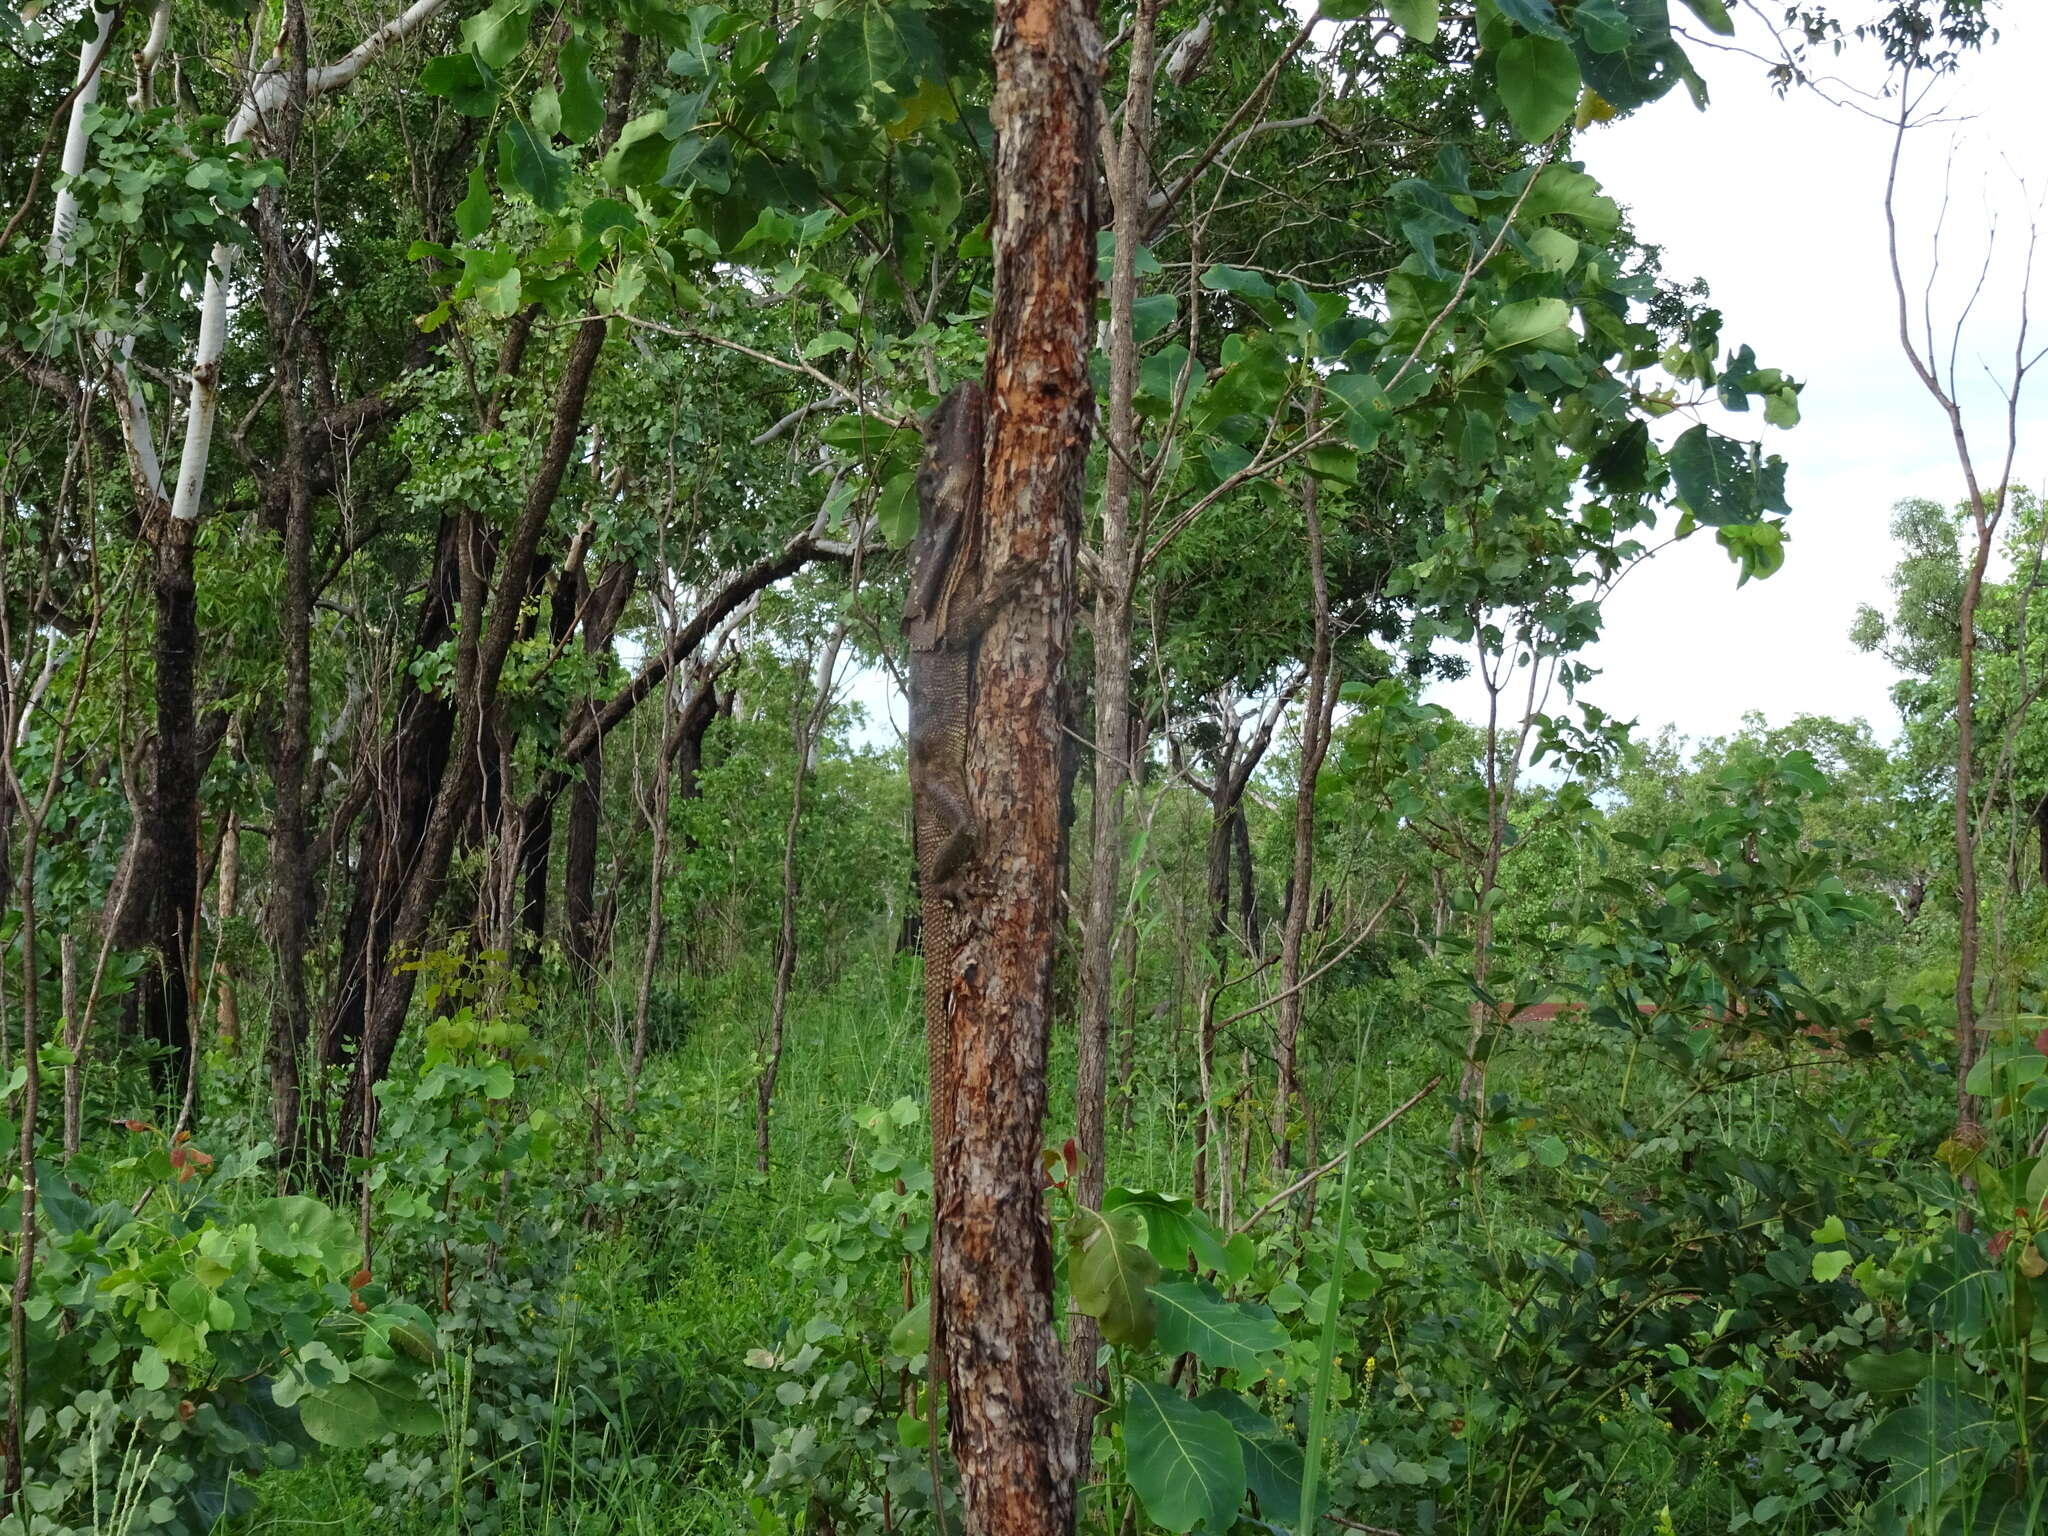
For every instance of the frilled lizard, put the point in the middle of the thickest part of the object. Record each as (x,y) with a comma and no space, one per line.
(944,617)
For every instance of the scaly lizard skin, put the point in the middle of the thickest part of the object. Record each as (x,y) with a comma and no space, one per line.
(942,619)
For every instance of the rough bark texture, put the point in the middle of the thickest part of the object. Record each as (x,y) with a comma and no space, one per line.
(174,811)
(1008,1418)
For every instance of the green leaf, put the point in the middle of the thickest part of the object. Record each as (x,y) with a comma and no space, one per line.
(1514,325)
(1713,14)
(1634,60)
(1561,190)
(1602,26)
(1272,1462)
(499,33)
(1185,1462)
(1721,481)
(1228,1335)
(1830,1264)
(1110,1272)
(582,100)
(300,1227)
(528,161)
(1537,16)
(1538,79)
(376,1400)
(912,1334)
(896,509)
(473,213)
(1550,1151)
(467,85)
(1151,315)
(641,154)
(1901,1370)
(1417,19)
(1554,250)
(150,1371)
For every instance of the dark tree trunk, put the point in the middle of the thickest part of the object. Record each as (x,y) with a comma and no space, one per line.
(174,817)
(581,929)
(486,642)
(414,761)
(1008,1418)
(289,874)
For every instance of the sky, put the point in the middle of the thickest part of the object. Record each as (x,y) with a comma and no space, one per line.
(1778,205)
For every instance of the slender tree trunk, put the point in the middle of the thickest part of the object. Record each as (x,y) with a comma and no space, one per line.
(1317,711)
(1968,937)
(804,738)
(480,664)
(1130,181)
(290,874)
(74,1042)
(1008,1418)
(174,817)
(582,927)
(227,1007)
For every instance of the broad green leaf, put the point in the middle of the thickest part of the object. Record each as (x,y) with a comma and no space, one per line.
(300,1227)
(1514,325)
(1272,1461)
(1228,1335)
(499,33)
(639,157)
(1174,1228)
(1829,1265)
(528,161)
(376,1400)
(459,77)
(896,509)
(1901,1370)
(1554,250)
(1714,14)
(582,100)
(1538,80)
(912,1334)
(1721,481)
(150,1370)
(1111,1271)
(1538,16)
(1633,60)
(473,213)
(1185,1462)
(1601,25)
(1417,19)
(1562,190)
(1152,314)
(1234,280)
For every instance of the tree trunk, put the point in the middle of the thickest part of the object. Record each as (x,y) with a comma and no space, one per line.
(174,819)
(1130,181)
(1317,711)
(1008,1418)
(290,874)
(804,739)
(1968,939)
(580,923)
(487,639)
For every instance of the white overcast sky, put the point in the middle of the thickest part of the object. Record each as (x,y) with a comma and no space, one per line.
(1778,205)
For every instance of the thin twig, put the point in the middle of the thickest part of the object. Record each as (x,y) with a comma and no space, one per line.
(1313,1174)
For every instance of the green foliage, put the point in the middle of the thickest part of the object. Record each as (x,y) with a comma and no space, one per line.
(183,1342)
